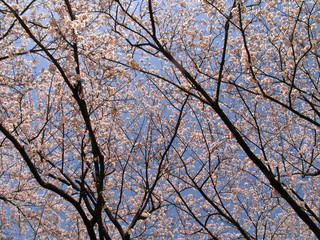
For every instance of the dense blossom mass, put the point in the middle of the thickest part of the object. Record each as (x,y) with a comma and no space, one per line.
(159,119)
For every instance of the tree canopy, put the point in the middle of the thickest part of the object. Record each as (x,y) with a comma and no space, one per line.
(152,119)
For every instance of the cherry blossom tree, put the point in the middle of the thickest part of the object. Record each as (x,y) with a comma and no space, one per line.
(143,119)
